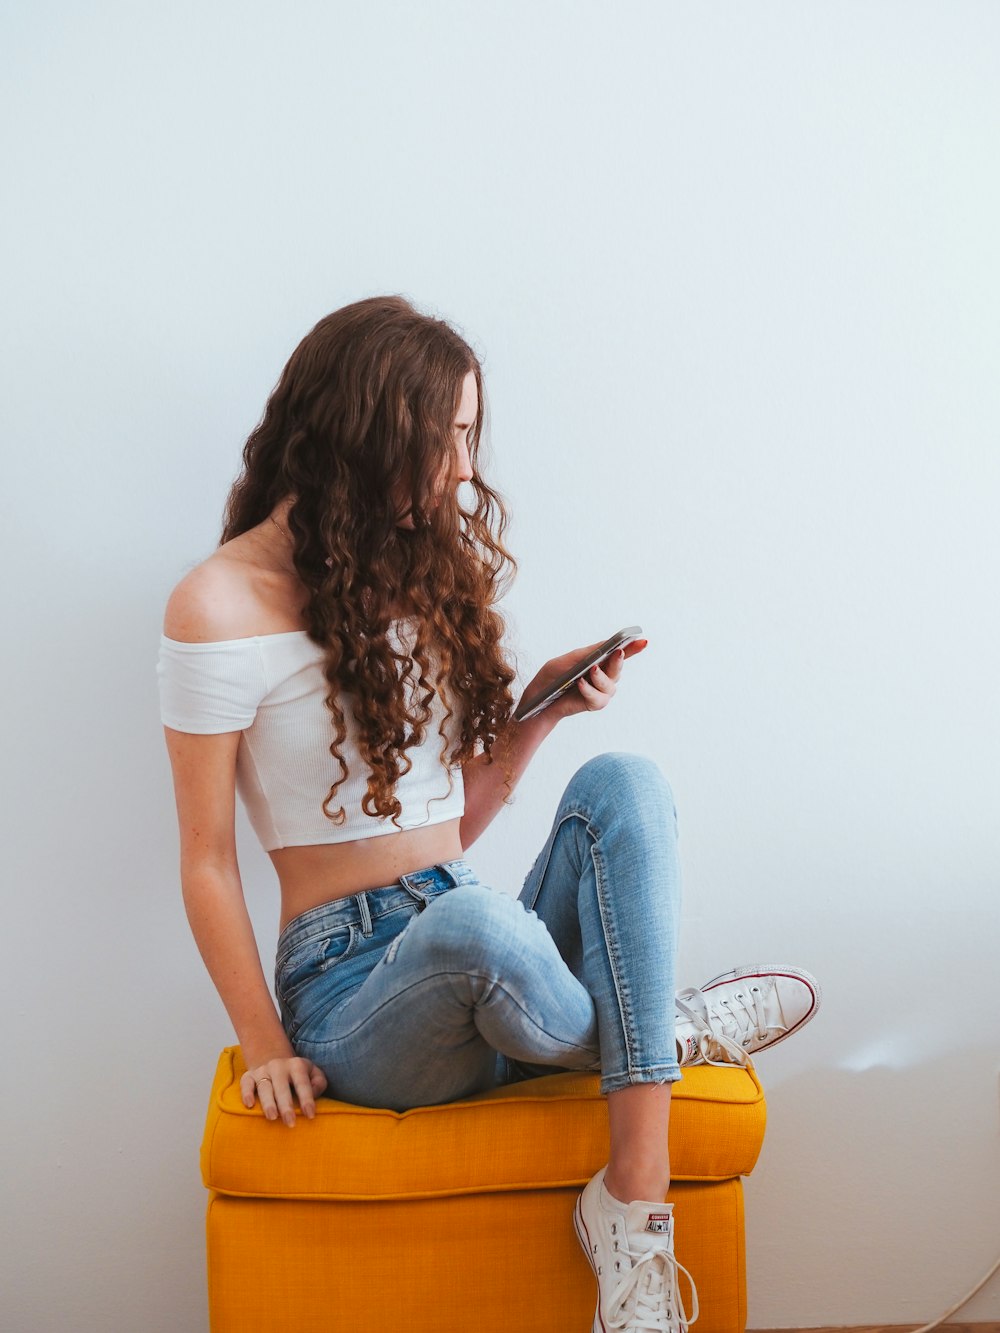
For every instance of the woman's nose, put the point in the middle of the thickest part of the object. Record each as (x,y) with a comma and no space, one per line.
(465,472)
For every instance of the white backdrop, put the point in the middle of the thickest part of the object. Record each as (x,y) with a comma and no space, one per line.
(732,270)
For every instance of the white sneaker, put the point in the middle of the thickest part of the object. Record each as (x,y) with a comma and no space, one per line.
(631,1250)
(742,1011)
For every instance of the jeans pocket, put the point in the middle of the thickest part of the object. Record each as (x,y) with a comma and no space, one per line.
(311,959)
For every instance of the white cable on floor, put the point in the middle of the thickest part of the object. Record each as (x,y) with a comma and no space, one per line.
(926,1328)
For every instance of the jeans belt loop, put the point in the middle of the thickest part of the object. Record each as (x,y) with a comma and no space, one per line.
(366,914)
(456,883)
(419,898)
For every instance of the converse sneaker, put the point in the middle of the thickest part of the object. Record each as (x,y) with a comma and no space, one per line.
(631,1250)
(742,1011)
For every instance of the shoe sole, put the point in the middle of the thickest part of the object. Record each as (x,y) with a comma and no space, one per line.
(580,1227)
(777,970)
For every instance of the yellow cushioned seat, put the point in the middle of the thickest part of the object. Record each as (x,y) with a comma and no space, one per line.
(456,1217)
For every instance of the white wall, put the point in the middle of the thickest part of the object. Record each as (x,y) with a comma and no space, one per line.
(733,272)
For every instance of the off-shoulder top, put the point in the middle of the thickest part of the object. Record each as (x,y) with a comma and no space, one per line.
(271,688)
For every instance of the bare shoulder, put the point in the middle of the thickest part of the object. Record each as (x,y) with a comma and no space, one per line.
(234,594)
(215,600)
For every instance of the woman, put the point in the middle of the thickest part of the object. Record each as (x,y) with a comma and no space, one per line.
(339,661)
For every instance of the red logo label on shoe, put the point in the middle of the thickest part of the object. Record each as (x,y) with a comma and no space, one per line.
(658,1222)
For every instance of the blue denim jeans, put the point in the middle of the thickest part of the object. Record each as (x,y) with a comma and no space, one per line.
(439,986)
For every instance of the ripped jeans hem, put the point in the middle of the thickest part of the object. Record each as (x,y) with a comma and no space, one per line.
(670,1073)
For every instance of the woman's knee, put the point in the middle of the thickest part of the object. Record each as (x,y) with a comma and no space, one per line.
(622,775)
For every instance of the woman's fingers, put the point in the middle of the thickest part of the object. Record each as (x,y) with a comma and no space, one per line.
(247,1089)
(591,694)
(303,1089)
(277,1084)
(283,1098)
(598,685)
(612,666)
(264,1087)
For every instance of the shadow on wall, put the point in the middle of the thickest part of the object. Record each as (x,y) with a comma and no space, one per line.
(864,1175)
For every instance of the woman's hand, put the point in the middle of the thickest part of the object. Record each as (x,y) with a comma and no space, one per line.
(592,691)
(274,1083)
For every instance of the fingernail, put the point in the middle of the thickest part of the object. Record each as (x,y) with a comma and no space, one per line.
(290,1121)
(271,1115)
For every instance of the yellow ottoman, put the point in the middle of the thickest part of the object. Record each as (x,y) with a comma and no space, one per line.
(456,1218)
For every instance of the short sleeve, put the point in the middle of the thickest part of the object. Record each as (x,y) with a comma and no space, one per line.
(208,688)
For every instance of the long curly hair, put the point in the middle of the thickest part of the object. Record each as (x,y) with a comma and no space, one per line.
(364,412)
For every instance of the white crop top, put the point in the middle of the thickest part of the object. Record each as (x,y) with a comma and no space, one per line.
(271,687)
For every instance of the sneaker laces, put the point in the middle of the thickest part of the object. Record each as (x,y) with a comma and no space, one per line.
(724,1030)
(647,1300)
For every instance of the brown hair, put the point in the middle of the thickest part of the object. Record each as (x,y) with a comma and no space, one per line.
(365,410)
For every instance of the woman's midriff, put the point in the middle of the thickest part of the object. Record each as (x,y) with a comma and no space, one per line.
(322,872)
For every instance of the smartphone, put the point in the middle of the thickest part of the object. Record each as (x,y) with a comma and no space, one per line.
(528,707)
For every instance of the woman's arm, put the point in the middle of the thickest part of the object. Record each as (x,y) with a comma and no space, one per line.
(204,769)
(201,610)
(485,786)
